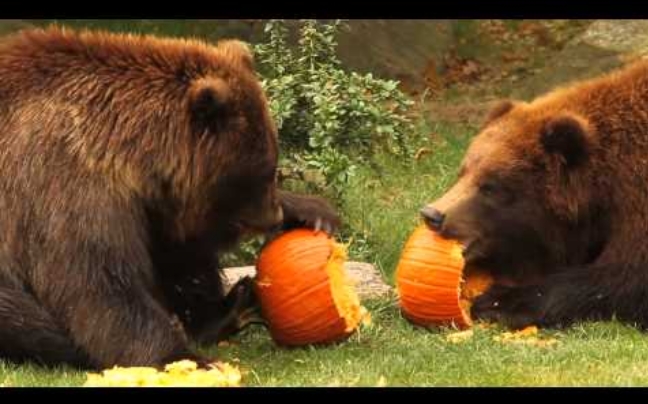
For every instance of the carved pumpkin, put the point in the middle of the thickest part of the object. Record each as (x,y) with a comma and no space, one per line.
(432,285)
(305,294)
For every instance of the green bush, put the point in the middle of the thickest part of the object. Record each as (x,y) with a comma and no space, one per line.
(330,120)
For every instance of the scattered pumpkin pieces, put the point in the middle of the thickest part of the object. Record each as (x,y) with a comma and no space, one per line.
(526,336)
(366,320)
(529,331)
(459,336)
(179,374)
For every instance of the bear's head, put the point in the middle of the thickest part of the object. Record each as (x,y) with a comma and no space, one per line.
(524,203)
(181,125)
(229,177)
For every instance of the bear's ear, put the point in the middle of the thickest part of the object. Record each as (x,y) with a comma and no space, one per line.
(208,98)
(500,109)
(238,52)
(566,135)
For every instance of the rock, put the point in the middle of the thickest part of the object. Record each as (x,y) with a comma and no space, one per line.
(404,50)
(623,36)
(576,62)
(604,46)
(370,283)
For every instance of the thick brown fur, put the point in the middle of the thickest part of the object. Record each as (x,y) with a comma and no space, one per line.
(128,163)
(553,198)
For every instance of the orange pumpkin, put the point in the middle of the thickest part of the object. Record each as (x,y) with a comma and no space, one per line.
(432,283)
(303,289)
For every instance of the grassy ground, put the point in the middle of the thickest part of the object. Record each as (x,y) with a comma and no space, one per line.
(394,353)
(592,354)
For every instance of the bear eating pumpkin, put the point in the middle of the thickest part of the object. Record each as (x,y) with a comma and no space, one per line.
(552,196)
(128,163)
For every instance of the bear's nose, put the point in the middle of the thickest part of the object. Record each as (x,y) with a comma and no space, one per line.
(432,217)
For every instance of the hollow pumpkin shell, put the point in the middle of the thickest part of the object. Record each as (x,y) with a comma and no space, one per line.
(430,281)
(305,295)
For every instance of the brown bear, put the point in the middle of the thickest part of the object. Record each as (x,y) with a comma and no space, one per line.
(128,163)
(552,197)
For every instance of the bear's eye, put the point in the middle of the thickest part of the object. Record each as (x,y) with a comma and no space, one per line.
(496,191)
(488,188)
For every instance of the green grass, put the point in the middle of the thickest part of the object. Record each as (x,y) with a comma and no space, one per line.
(604,354)
(382,206)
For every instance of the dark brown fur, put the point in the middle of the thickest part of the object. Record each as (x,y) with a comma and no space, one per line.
(553,197)
(127,164)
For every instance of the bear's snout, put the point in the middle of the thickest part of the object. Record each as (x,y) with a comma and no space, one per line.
(272,219)
(432,217)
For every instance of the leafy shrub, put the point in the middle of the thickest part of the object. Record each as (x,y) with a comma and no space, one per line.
(329,119)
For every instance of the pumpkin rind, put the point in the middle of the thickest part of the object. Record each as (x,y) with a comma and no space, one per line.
(429,280)
(304,293)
